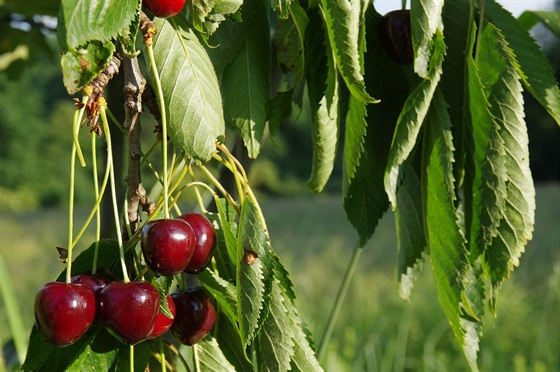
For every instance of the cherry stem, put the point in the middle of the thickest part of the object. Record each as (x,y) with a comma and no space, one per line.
(161,103)
(219,187)
(95,206)
(102,109)
(196,359)
(97,213)
(350,270)
(162,356)
(131,358)
(71,201)
(75,131)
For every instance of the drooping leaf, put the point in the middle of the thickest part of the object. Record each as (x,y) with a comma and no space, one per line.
(232,346)
(409,223)
(289,42)
(86,21)
(425,19)
(254,270)
(322,88)
(485,179)
(533,68)
(190,89)
(499,71)
(550,19)
(210,356)
(228,224)
(224,45)
(80,68)
(453,79)
(245,81)
(343,19)
(276,336)
(364,198)
(411,118)
(448,254)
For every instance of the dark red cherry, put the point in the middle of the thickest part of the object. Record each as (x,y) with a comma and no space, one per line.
(64,312)
(195,316)
(164,8)
(163,323)
(129,309)
(96,282)
(168,245)
(205,241)
(396,36)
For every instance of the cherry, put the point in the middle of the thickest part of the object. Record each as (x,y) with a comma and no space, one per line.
(195,316)
(64,312)
(205,241)
(164,8)
(129,309)
(163,323)
(96,282)
(168,245)
(396,37)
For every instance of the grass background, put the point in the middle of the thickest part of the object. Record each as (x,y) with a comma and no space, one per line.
(376,330)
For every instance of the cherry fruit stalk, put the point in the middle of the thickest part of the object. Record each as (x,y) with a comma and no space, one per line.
(64,312)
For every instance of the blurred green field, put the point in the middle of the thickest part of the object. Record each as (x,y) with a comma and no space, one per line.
(376,330)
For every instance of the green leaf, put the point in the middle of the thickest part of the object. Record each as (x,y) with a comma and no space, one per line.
(232,345)
(228,226)
(108,256)
(210,356)
(425,19)
(245,82)
(365,200)
(42,356)
(190,89)
(343,19)
(534,68)
(289,42)
(448,255)
(254,270)
(207,15)
(225,44)
(499,71)
(276,337)
(102,21)
(81,67)
(409,223)
(456,33)
(550,19)
(486,173)
(162,285)
(223,292)
(322,88)
(411,119)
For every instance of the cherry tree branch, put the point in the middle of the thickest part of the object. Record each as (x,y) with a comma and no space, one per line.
(133,88)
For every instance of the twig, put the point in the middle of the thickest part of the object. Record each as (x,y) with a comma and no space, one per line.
(133,89)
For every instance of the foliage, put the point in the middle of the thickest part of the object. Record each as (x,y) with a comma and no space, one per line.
(445,145)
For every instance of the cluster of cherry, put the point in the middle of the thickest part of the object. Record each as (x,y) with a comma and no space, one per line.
(131,310)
